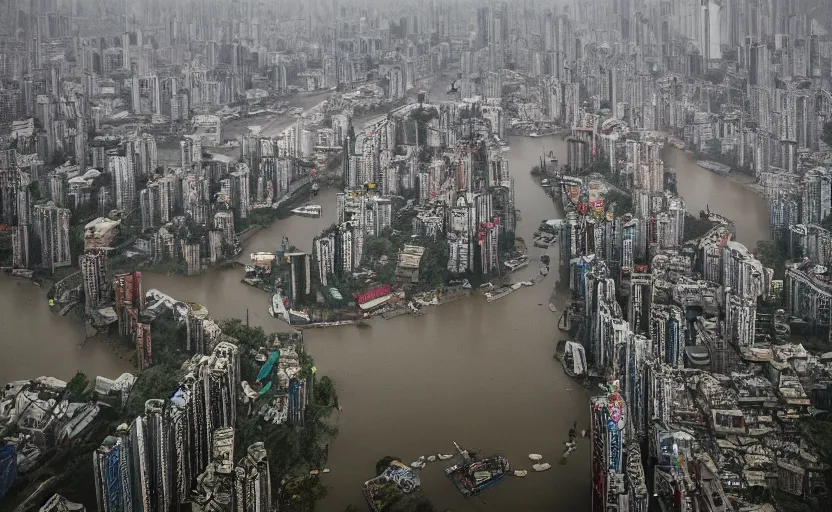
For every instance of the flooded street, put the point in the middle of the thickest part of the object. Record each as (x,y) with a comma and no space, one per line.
(480,374)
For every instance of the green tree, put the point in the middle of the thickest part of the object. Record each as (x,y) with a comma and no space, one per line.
(433,269)
(771,256)
(34,191)
(696,227)
(827,223)
(618,202)
(385,461)
(826,136)
(77,385)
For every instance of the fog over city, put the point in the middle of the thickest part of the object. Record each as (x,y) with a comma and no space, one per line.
(416,256)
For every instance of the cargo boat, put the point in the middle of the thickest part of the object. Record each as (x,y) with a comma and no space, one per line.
(715,167)
(472,476)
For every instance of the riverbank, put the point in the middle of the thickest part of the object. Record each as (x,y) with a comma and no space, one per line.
(748,182)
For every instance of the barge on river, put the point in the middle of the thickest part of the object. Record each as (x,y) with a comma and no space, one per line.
(472,476)
(715,167)
(310,210)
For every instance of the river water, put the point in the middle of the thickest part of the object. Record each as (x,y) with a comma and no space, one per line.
(702,188)
(479,374)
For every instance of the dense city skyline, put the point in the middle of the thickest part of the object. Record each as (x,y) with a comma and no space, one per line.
(172,171)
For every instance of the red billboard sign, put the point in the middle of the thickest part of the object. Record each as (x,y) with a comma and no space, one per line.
(381,291)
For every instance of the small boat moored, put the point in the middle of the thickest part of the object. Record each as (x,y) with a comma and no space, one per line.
(472,476)
(542,467)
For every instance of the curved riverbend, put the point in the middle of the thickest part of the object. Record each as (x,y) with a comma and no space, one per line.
(476,373)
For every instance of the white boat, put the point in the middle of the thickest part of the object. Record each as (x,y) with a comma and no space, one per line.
(535,456)
(444,457)
(431,458)
(298,317)
(544,271)
(521,473)
(542,467)
(517,264)
(534,134)
(310,210)
(417,464)
(498,294)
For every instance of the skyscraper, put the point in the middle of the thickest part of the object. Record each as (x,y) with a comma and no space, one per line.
(96,284)
(607,451)
(240,191)
(21,247)
(113,474)
(667,330)
(52,230)
(252,481)
(301,277)
(124,178)
(149,442)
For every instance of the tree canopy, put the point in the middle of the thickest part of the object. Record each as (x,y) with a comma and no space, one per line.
(826,136)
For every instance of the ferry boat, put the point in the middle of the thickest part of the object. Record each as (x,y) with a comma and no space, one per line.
(472,476)
(310,210)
